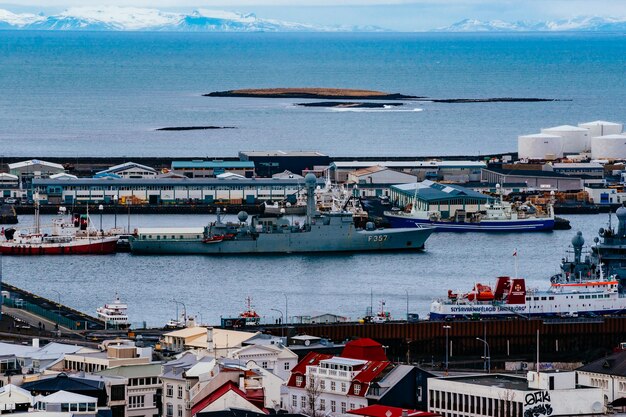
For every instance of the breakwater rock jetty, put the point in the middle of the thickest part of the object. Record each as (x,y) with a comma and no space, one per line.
(313,93)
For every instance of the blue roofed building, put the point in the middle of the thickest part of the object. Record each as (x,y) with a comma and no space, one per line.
(199,168)
(432,196)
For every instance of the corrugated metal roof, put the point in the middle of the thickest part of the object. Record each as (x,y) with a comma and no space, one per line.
(108,181)
(32,162)
(431,191)
(211,164)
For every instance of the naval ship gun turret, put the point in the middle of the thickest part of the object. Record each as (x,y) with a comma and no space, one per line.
(609,250)
(577,269)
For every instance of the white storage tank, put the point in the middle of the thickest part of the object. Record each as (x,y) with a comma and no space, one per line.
(602,128)
(539,146)
(608,147)
(575,139)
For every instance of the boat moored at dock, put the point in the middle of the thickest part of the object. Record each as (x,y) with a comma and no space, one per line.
(320,232)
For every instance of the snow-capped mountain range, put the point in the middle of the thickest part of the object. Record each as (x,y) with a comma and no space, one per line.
(117,18)
(581,24)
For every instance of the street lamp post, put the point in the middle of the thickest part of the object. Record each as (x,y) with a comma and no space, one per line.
(58,306)
(128,204)
(488,357)
(282,334)
(407,305)
(447,329)
(286,305)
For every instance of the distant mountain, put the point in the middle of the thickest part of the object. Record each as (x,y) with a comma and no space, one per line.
(581,24)
(144,19)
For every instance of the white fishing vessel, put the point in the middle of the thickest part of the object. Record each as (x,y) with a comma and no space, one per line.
(114,315)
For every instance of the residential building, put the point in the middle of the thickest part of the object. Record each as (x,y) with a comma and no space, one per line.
(608,374)
(179,378)
(128,170)
(537,179)
(268,163)
(277,359)
(445,198)
(64,401)
(143,388)
(14,399)
(220,343)
(497,395)
(115,355)
(378,410)
(198,168)
(227,396)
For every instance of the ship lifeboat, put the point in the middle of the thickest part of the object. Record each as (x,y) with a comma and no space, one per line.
(214,239)
(481,293)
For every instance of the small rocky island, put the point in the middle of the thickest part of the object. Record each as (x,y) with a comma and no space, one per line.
(350,104)
(179,128)
(313,93)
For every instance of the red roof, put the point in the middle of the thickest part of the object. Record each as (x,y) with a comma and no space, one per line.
(378,410)
(365,349)
(218,393)
(311,359)
(370,371)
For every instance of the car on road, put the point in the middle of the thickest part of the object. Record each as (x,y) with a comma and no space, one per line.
(10,201)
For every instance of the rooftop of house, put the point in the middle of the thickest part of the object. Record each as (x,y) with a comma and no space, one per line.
(614,364)
(134,371)
(379,410)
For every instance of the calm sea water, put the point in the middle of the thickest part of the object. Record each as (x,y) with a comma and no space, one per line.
(73,93)
(212,286)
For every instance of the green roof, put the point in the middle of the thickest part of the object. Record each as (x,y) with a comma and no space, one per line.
(133,371)
(211,164)
(432,191)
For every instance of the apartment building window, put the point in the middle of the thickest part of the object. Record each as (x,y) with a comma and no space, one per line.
(332,385)
(136,401)
(118,393)
(169,410)
(180,410)
(294,400)
(352,406)
(343,387)
(322,384)
(343,407)
(333,406)
(357,389)
(180,391)
(169,390)
(298,381)
(264,365)
(322,404)
(287,366)
(303,402)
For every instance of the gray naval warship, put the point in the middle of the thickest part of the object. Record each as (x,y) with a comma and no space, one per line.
(609,249)
(328,232)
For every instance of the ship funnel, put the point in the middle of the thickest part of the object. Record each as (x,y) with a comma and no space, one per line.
(577,242)
(621,218)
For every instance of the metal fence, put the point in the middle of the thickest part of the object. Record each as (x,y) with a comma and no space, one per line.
(53,316)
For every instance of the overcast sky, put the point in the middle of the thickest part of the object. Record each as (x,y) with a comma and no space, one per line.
(392,14)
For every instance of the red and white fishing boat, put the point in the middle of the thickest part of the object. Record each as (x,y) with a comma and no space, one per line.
(250,317)
(66,237)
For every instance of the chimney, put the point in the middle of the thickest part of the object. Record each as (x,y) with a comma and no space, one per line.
(209,339)
(36,343)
